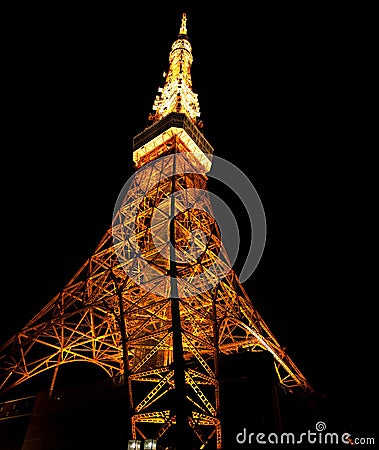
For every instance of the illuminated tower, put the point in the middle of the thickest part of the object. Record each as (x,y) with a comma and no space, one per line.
(157,303)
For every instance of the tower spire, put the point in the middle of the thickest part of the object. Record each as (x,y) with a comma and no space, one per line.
(177,94)
(183,27)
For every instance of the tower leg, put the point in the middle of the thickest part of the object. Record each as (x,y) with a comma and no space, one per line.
(276,409)
(125,361)
(51,390)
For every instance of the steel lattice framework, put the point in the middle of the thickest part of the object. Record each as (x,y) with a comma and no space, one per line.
(158,320)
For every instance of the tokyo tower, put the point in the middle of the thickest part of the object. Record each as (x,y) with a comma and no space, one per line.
(158,303)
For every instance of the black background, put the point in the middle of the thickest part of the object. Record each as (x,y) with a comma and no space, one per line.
(286,94)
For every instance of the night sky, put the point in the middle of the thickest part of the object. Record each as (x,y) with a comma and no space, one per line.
(283,94)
